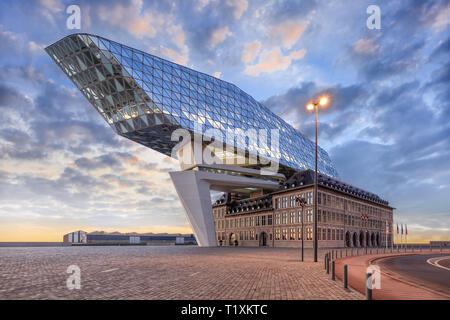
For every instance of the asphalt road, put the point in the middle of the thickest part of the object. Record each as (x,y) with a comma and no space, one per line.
(415,269)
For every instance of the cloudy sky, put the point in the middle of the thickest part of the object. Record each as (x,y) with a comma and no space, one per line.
(387,130)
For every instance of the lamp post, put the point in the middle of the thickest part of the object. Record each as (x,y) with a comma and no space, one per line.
(302,202)
(315,106)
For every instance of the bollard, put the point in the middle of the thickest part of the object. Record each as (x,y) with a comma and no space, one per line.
(345,277)
(332,271)
(340,253)
(368,288)
(440,247)
(431,249)
(345,251)
(325,261)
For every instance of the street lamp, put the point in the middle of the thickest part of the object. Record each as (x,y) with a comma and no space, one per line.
(302,202)
(323,101)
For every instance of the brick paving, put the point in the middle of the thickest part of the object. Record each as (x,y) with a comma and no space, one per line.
(170,272)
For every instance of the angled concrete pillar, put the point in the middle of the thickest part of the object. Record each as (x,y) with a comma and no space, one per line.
(194,194)
(193,188)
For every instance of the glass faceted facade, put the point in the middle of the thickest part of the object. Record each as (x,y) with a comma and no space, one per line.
(144,98)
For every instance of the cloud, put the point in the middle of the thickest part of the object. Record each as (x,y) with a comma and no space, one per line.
(173,55)
(288,31)
(250,51)
(219,35)
(133,18)
(273,60)
(239,7)
(365,47)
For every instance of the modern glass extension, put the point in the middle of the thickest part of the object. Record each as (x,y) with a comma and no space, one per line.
(145,98)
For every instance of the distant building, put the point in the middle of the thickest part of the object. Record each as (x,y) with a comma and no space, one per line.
(347,216)
(116,238)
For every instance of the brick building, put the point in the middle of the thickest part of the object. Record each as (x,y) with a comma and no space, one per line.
(346,216)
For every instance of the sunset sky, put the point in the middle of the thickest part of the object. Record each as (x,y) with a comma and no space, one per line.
(387,129)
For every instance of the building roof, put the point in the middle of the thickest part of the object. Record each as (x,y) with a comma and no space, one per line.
(299,180)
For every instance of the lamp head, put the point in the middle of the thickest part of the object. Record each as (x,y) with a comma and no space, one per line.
(323,101)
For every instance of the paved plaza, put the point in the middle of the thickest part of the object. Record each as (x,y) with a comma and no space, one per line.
(170,272)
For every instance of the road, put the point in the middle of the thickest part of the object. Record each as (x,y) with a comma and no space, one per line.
(416,269)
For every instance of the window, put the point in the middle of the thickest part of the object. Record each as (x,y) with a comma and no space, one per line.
(284,218)
(292,201)
(277,234)
(277,203)
(284,202)
(299,233)
(257,220)
(277,218)
(329,234)
(292,234)
(252,235)
(284,234)
(263,220)
(299,217)
(332,235)
(309,198)
(324,234)
(319,233)
(319,215)
(309,215)
(269,219)
(319,198)
(309,233)
(292,218)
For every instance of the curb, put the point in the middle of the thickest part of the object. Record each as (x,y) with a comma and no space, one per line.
(396,277)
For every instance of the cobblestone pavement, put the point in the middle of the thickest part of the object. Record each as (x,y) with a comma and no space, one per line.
(170,272)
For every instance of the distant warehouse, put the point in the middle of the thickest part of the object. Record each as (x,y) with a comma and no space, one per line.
(117,238)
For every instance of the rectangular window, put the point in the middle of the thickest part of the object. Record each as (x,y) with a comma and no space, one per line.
(284,202)
(284,234)
(299,233)
(332,235)
(292,218)
(309,233)
(284,217)
(309,216)
(277,218)
(319,215)
(319,198)
(292,234)
(324,234)
(277,203)
(299,215)
(277,234)
(263,220)
(257,220)
(319,233)
(292,201)
(309,198)
(329,234)
(269,219)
